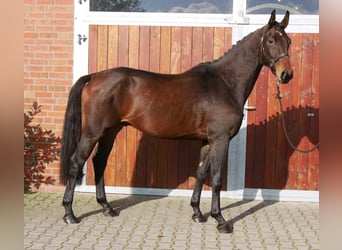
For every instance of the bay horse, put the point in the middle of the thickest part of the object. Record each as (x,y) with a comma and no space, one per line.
(204,103)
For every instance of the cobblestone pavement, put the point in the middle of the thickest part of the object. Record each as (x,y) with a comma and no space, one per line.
(154,222)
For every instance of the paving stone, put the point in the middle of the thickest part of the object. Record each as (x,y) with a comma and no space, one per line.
(149,222)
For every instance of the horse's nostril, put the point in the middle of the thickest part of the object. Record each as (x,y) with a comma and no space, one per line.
(284,75)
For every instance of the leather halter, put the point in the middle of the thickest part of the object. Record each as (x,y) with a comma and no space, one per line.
(279,57)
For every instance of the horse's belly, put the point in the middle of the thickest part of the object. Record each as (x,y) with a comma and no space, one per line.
(168,125)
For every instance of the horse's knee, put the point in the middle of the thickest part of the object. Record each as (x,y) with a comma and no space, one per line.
(217,182)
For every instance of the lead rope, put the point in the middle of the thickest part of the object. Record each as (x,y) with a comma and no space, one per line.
(284,127)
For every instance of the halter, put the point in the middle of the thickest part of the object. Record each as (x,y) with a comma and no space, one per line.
(280,57)
(284,126)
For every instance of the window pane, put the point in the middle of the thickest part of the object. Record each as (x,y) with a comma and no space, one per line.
(175,6)
(294,6)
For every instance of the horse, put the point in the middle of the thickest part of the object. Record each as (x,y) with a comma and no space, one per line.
(203,103)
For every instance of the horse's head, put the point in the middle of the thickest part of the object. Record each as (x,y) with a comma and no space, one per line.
(273,48)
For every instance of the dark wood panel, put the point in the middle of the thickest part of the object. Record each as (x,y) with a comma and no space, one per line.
(268,151)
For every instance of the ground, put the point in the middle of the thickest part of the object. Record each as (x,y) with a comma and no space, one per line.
(154,222)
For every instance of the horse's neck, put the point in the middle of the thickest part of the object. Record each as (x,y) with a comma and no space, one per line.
(241,66)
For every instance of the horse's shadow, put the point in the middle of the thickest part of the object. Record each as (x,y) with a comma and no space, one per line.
(123,203)
(300,121)
(277,165)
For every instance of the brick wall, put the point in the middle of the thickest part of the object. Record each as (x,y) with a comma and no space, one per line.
(48,62)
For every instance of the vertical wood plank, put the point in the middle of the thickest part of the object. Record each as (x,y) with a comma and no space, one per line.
(155,48)
(305,101)
(141,161)
(92,60)
(102,49)
(172,163)
(293,121)
(271,134)
(133,46)
(144,48)
(176,37)
(208,44)
(227,38)
(123,46)
(186,47)
(162,166)
(197,57)
(113,45)
(219,45)
(261,128)
(165,49)
(313,179)
(256,133)
(131,156)
(151,161)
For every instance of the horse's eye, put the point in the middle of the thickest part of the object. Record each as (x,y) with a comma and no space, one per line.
(270,40)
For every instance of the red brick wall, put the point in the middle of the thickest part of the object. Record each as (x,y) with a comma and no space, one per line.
(48,61)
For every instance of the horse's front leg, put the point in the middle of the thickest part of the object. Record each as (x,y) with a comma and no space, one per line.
(217,157)
(202,173)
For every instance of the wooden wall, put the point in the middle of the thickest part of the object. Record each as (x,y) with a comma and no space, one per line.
(138,160)
(271,162)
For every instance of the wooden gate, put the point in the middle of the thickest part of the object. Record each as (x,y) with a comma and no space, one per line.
(138,160)
(270,160)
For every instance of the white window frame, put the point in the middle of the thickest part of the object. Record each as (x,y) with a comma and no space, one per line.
(242,24)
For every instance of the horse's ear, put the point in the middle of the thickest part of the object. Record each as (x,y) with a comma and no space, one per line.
(285,20)
(271,22)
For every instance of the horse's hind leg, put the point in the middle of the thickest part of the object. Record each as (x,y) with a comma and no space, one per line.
(202,173)
(104,148)
(78,159)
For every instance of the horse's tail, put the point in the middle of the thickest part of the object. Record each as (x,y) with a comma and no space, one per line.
(72,129)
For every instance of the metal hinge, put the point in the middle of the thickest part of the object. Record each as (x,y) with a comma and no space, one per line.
(250,108)
(81,39)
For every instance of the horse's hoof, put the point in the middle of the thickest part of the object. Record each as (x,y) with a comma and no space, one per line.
(225,228)
(71,219)
(110,212)
(198,218)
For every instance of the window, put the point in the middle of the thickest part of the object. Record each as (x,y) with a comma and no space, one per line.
(172,6)
(299,7)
